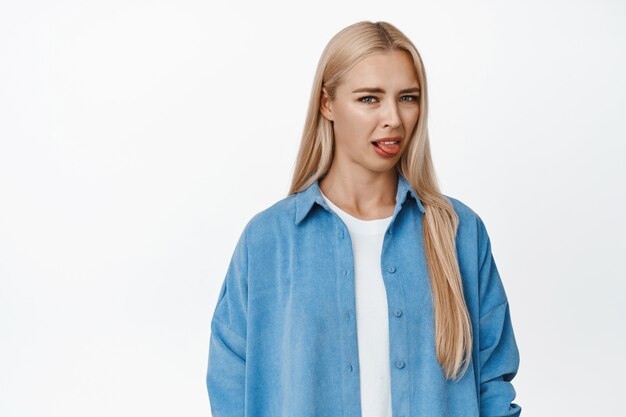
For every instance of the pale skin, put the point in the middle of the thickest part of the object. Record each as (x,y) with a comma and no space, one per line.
(360,181)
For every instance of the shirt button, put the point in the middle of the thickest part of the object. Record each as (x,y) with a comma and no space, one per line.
(348,315)
(400,364)
(350,368)
(345,272)
(391,269)
(341,234)
(397,313)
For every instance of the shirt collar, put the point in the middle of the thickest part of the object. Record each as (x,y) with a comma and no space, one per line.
(306,198)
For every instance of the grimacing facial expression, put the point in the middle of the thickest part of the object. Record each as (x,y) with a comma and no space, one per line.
(379,98)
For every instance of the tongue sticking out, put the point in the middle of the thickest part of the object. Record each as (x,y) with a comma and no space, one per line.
(389,148)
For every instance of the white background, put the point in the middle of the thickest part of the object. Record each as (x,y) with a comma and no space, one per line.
(138,137)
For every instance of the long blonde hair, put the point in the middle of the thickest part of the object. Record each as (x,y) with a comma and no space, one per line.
(453,329)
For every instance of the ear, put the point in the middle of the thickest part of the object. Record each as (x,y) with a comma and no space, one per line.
(326,105)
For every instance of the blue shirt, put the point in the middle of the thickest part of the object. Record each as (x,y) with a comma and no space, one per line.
(283,334)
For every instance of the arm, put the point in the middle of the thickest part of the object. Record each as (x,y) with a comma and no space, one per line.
(226,371)
(498,352)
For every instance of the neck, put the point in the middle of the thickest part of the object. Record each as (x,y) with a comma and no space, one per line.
(368,196)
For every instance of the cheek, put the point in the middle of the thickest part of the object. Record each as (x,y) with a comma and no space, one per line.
(410,119)
(352,123)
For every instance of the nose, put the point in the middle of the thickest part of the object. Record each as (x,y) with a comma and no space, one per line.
(391,115)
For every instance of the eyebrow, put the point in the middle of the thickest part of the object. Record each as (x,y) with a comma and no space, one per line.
(380,90)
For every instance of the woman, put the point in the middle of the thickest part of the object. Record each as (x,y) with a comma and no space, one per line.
(365,291)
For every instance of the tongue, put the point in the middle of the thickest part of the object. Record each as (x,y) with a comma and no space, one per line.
(389,148)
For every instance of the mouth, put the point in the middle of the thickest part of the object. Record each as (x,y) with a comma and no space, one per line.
(390,140)
(387,147)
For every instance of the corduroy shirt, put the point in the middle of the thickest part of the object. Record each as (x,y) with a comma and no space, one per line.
(283,337)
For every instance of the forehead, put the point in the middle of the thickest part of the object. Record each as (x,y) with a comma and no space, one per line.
(390,69)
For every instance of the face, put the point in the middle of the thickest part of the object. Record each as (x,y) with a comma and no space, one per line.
(379,98)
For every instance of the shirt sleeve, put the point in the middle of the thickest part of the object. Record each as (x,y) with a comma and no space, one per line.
(498,352)
(226,371)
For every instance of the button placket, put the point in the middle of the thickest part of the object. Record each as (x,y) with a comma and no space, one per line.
(345,297)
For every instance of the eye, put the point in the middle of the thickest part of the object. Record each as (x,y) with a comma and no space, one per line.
(413,99)
(366,97)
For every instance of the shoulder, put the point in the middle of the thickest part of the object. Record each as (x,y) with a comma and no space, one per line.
(271,222)
(471,225)
(463,210)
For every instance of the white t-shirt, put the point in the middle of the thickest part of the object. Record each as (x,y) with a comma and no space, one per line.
(371,312)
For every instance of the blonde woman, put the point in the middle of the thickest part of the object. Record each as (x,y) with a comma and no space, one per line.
(365,291)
